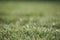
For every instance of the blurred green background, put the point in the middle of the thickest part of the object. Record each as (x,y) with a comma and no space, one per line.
(29,20)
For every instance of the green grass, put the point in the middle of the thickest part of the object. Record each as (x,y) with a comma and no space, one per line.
(29,21)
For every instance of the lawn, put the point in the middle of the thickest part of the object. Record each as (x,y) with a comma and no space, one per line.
(29,20)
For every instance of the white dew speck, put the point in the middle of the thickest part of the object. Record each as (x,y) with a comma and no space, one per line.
(17,23)
(53,37)
(34,27)
(53,23)
(21,19)
(57,30)
(27,25)
(31,19)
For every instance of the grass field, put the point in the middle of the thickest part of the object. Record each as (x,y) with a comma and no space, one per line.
(29,21)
